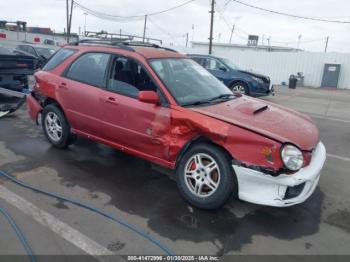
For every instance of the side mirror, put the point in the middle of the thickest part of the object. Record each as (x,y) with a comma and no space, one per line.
(149,97)
(223,68)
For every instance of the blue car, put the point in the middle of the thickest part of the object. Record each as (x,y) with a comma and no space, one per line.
(237,80)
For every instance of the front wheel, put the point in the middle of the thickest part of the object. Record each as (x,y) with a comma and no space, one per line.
(205,176)
(240,87)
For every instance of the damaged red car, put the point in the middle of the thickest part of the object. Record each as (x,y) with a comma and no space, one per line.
(160,105)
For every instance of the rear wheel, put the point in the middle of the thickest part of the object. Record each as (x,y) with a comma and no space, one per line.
(240,87)
(205,176)
(56,127)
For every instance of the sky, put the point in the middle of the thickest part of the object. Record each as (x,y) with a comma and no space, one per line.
(172,26)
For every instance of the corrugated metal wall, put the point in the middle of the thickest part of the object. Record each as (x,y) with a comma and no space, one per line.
(280,65)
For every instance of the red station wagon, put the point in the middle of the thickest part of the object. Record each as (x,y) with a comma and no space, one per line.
(162,106)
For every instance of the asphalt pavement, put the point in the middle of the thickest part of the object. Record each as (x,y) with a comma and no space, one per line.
(138,192)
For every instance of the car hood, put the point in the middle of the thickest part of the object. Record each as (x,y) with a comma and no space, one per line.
(253,74)
(268,119)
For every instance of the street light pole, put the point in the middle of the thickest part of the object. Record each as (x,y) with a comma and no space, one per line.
(85,24)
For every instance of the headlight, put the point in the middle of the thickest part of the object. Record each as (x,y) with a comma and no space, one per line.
(257,79)
(292,157)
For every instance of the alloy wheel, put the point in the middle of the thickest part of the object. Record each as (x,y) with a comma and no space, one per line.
(202,175)
(239,89)
(53,126)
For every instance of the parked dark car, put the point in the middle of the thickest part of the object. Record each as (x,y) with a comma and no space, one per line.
(244,82)
(41,52)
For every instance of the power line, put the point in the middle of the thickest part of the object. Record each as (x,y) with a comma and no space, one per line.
(247,33)
(165,32)
(113,17)
(291,15)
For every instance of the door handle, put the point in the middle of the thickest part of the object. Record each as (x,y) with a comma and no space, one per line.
(111,100)
(63,86)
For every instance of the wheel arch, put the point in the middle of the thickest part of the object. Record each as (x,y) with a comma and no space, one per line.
(48,101)
(205,139)
(197,140)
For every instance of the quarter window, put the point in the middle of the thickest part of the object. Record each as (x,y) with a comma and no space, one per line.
(58,58)
(89,68)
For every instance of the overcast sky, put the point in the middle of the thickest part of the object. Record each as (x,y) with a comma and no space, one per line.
(172,26)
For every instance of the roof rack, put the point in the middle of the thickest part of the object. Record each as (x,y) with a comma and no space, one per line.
(134,43)
(117,44)
(120,44)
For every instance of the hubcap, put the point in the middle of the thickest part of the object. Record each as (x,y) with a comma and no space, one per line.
(202,175)
(239,89)
(53,126)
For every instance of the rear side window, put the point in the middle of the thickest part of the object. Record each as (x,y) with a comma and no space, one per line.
(89,68)
(58,58)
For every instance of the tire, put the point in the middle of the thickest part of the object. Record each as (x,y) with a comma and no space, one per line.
(240,87)
(189,173)
(60,139)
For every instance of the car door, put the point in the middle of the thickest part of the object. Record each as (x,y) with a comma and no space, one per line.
(127,121)
(79,91)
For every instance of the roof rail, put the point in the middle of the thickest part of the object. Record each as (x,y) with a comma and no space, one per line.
(120,44)
(134,43)
(117,44)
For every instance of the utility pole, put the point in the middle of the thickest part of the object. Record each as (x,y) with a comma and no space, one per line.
(211,26)
(67,16)
(186,39)
(233,29)
(144,29)
(326,47)
(70,20)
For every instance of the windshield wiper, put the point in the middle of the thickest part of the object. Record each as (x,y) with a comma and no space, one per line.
(198,103)
(222,97)
(211,100)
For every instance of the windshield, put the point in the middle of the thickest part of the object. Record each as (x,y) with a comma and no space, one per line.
(45,52)
(188,82)
(229,63)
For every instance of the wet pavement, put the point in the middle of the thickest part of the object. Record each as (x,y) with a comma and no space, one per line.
(136,191)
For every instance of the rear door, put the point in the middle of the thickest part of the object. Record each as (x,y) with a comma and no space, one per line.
(79,91)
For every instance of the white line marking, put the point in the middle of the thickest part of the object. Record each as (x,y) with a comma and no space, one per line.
(65,231)
(329,118)
(339,157)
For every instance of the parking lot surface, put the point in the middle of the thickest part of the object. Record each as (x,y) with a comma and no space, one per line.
(138,192)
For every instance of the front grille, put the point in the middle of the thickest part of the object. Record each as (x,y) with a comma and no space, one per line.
(294,191)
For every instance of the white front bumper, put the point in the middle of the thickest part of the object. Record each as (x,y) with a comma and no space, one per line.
(264,189)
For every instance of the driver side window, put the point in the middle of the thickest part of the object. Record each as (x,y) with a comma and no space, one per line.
(213,64)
